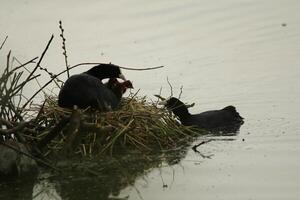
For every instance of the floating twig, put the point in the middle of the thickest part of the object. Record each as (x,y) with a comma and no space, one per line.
(201,154)
(201,143)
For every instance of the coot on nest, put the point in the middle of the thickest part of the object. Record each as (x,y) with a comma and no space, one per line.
(87,90)
(118,88)
(225,117)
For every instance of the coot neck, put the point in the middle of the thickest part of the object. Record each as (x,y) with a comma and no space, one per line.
(117,91)
(182,113)
(115,87)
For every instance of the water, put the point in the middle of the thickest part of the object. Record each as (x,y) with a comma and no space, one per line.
(239,52)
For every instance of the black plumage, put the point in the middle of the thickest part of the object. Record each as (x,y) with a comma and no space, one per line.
(212,119)
(87,90)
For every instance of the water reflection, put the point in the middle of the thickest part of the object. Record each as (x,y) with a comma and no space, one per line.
(223,134)
(104,178)
(17,190)
(226,131)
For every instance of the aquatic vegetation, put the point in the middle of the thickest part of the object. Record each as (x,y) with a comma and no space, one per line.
(47,129)
(137,125)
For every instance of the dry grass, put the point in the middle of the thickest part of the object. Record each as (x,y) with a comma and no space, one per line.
(137,125)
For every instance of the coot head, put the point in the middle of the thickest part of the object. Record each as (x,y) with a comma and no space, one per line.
(118,88)
(103,71)
(176,106)
(125,85)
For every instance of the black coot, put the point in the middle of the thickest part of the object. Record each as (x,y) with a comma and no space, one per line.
(87,89)
(227,116)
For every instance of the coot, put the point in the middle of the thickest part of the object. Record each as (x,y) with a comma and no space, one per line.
(87,90)
(118,88)
(227,116)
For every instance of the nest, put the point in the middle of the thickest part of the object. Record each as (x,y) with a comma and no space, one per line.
(138,125)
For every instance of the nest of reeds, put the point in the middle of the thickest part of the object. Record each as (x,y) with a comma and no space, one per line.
(138,125)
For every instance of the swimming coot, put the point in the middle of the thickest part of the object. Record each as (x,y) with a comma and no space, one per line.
(87,90)
(227,116)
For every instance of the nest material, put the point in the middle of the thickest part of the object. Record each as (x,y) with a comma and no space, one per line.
(137,125)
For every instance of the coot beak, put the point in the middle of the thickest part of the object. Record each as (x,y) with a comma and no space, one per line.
(189,105)
(162,103)
(160,97)
(121,76)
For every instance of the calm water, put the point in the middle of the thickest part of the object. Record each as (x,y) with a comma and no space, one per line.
(239,52)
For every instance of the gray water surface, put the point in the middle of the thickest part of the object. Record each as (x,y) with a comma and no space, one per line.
(235,52)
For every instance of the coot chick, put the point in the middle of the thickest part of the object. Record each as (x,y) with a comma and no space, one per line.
(118,88)
(87,90)
(225,117)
